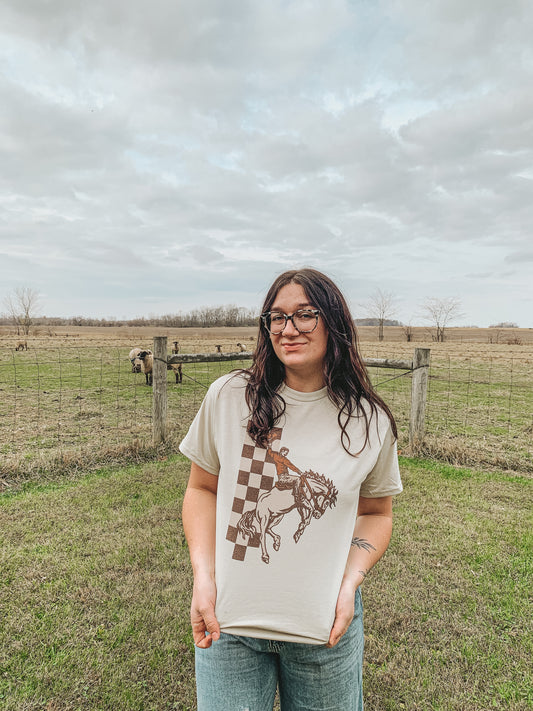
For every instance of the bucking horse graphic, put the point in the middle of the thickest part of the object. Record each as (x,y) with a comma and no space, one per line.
(310,493)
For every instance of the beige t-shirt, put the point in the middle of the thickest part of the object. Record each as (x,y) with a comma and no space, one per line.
(285,514)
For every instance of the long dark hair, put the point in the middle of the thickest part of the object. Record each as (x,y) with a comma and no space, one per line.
(345,374)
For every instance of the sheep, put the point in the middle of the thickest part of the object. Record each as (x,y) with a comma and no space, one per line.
(241,348)
(147,364)
(219,349)
(21,346)
(143,362)
(176,367)
(134,360)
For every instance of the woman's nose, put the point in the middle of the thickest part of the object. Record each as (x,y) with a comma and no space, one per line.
(290,327)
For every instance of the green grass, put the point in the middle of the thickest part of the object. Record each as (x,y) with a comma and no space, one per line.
(457,581)
(95,585)
(94,593)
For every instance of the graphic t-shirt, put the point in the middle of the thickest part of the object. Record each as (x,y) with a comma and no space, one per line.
(286,513)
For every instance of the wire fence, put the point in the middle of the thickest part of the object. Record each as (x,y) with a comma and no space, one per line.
(68,407)
(481,411)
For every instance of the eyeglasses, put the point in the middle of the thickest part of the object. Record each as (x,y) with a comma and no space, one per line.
(303,320)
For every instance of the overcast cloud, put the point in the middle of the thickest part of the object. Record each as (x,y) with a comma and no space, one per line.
(159,156)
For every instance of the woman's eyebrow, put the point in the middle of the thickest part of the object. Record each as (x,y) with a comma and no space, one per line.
(299,306)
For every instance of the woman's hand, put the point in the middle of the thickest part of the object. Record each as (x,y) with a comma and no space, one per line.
(371,537)
(344,612)
(203,618)
(199,516)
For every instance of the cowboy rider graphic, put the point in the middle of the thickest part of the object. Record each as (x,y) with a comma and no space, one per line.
(285,479)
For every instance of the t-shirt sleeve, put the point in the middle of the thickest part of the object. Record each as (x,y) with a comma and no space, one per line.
(199,444)
(384,477)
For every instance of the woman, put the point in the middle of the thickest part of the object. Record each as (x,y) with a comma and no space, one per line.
(288,506)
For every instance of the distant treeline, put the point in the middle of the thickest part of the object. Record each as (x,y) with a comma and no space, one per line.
(375,322)
(205,317)
(197,318)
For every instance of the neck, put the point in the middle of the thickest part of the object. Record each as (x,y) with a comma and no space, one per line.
(304,383)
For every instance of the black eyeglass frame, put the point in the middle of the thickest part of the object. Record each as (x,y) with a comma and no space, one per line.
(290,317)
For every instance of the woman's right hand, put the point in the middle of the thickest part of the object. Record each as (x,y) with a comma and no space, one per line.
(199,523)
(205,627)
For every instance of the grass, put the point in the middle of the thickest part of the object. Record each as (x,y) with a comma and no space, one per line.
(94,593)
(60,407)
(95,586)
(458,576)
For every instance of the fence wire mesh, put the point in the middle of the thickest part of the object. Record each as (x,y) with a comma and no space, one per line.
(83,407)
(481,411)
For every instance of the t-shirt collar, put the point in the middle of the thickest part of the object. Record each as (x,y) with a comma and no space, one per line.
(289,394)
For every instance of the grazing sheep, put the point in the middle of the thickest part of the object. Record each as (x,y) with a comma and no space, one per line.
(147,364)
(176,367)
(134,360)
(241,348)
(21,346)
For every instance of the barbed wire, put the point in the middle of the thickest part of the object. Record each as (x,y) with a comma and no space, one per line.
(394,377)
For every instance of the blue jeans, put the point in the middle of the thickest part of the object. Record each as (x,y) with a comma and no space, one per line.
(241,673)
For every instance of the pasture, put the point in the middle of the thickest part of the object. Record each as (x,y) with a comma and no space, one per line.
(95,582)
(95,589)
(70,402)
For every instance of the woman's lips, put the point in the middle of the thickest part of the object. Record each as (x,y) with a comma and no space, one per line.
(289,347)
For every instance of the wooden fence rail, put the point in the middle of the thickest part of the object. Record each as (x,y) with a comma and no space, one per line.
(418,367)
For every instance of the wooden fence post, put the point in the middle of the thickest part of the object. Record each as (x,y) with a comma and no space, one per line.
(419,389)
(159,394)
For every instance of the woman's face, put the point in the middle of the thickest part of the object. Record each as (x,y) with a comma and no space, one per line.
(302,354)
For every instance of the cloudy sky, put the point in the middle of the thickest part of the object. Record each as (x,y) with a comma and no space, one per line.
(164,155)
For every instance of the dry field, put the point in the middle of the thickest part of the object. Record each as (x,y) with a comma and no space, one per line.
(71,401)
(194,340)
(191,340)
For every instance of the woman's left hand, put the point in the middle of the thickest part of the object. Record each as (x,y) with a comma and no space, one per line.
(344,612)
(371,536)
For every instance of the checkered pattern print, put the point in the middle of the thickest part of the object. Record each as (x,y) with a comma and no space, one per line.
(251,483)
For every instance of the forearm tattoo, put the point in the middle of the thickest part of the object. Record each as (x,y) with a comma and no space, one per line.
(363,543)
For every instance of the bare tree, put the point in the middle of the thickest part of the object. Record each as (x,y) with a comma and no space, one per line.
(408,332)
(21,307)
(441,312)
(381,307)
